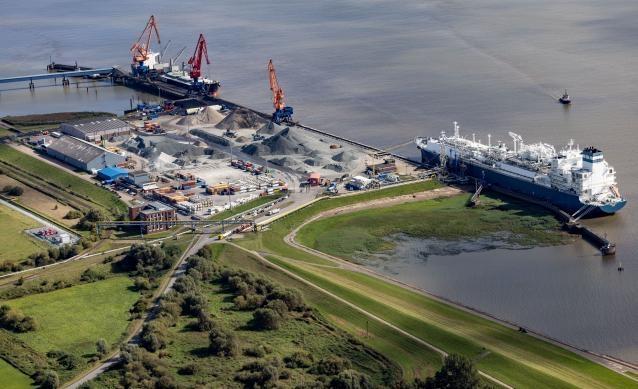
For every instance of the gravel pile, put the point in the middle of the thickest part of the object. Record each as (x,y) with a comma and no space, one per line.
(210,115)
(241,118)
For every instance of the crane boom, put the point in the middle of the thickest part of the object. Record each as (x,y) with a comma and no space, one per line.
(282,112)
(278,97)
(141,47)
(195,61)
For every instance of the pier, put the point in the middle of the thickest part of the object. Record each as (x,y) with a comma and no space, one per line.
(55,75)
(572,225)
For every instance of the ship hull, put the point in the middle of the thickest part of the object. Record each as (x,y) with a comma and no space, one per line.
(567,202)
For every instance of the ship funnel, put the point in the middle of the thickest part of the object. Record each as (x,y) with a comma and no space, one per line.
(489,140)
(456,129)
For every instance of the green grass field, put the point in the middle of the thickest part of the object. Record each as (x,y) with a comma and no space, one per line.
(15,244)
(48,120)
(518,359)
(311,335)
(12,378)
(73,319)
(6,132)
(363,232)
(62,180)
(413,359)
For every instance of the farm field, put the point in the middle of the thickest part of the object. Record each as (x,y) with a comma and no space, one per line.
(40,202)
(12,378)
(73,319)
(60,179)
(15,244)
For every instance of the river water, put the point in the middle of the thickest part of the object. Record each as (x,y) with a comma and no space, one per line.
(384,71)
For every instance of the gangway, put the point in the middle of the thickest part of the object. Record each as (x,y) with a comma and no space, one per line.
(581,212)
(474,200)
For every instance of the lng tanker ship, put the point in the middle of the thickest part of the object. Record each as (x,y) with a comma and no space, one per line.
(579,182)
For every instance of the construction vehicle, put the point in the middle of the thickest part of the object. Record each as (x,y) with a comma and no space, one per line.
(282,112)
(143,58)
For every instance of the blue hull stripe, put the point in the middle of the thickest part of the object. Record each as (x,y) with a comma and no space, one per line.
(567,202)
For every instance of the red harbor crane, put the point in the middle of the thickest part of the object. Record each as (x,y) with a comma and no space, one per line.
(141,48)
(282,112)
(201,51)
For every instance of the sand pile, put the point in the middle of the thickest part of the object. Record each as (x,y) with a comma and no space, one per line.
(285,142)
(188,121)
(241,139)
(270,128)
(335,167)
(284,161)
(210,115)
(241,118)
(345,156)
(152,149)
(163,162)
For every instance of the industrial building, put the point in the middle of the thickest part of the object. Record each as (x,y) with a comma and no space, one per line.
(82,155)
(138,178)
(153,211)
(112,173)
(95,129)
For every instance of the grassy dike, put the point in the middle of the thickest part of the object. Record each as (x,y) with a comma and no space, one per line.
(413,360)
(520,360)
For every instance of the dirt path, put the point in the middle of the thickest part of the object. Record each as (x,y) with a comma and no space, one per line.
(135,330)
(363,311)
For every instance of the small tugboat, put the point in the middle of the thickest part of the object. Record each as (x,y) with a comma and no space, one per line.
(565,99)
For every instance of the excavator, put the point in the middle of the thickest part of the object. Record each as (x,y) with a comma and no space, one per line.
(282,114)
(143,58)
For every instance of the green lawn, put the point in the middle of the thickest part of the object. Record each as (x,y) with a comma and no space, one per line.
(363,232)
(517,359)
(62,180)
(15,244)
(5,132)
(73,319)
(12,378)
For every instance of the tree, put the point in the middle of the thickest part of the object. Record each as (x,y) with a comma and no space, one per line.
(204,322)
(351,379)
(47,379)
(457,372)
(266,319)
(73,214)
(102,347)
(223,343)
(13,190)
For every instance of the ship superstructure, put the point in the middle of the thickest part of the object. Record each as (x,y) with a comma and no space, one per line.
(577,181)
